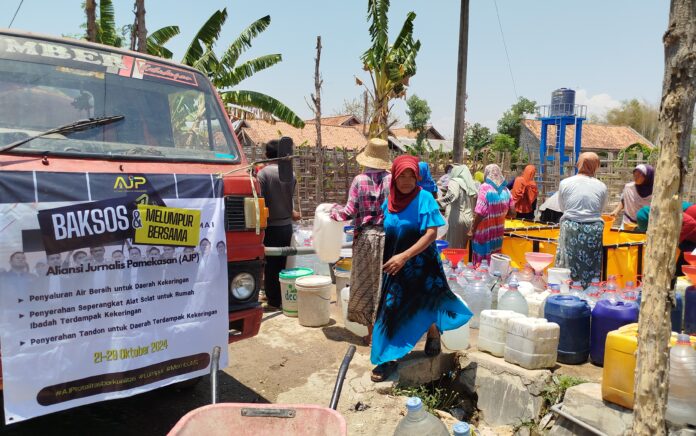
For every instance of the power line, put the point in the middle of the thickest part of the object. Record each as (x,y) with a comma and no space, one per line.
(15,14)
(507,55)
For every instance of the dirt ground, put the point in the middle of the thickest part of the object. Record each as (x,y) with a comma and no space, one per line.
(284,364)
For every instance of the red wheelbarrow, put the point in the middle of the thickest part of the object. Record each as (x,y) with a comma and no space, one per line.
(245,419)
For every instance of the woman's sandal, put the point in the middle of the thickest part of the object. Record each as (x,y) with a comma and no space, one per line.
(383,371)
(432,347)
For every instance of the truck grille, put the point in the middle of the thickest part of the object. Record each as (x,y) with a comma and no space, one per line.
(234,214)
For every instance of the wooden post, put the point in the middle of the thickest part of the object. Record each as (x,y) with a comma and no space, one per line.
(674,129)
(316,99)
(460,104)
(91,11)
(141,30)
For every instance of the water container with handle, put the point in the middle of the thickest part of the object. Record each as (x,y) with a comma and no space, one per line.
(608,316)
(573,316)
(478,297)
(354,327)
(457,339)
(690,310)
(514,301)
(681,399)
(327,234)
(418,422)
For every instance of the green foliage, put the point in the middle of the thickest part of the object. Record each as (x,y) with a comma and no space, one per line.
(639,115)
(632,151)
(225,73)
(433,397)
(511,120)
(503,142)
(554,393)
(390,65)
(478,137)
(418,113)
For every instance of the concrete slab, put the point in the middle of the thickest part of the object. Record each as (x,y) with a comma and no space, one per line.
(507,394)
(585,403)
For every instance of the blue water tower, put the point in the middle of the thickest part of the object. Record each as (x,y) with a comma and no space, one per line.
(561,113)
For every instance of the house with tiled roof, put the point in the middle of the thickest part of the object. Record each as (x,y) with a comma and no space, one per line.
(599,138)
(256,133)
(406,133)
(346,120)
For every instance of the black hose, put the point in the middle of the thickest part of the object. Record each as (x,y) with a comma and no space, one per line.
(341,376)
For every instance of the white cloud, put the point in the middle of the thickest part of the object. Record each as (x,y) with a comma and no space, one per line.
(597,104)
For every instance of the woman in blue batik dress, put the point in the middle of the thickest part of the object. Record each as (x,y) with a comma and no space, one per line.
(415,295)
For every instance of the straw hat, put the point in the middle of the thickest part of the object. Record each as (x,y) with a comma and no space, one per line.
(375,155)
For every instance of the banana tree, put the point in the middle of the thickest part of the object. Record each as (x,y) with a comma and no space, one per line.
(226,73)
(390,66)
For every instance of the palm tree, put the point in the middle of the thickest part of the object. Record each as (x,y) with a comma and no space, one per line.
(106,32)
(226,74)
(390,66)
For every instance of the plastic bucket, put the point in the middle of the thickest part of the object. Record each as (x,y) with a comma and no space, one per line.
(608,223)
(354,327)
(559,276)
(500,263)
(441,245)
(313,300)
(287,278)
(342,280)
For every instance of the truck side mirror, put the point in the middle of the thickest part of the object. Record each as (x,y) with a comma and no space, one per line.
(285,172)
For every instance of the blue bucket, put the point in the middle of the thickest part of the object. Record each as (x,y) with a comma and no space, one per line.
(441,245)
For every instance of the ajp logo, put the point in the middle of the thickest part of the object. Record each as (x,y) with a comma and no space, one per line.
(132,182)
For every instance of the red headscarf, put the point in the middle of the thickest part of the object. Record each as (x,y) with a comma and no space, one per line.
(397,200)
(525,186)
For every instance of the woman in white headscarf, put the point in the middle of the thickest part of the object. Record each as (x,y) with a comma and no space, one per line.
(459,201)
(493,205)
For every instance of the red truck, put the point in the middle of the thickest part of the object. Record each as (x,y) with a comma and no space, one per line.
(169,121)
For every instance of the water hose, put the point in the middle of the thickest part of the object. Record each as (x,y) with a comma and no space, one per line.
(341,377)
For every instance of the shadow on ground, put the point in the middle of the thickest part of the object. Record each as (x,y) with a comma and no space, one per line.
(152,413)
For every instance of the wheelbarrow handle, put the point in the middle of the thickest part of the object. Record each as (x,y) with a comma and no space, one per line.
(342,370)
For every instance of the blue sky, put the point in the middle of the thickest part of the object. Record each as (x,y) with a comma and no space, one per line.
(607,50)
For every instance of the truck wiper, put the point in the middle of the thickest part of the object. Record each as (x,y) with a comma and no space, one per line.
(75,126)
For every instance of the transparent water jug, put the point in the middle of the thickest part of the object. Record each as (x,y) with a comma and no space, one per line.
(681,399)
(611,293)
(593,292)
(468,273)
(478,297)
(576,290)
(457,339)
(513,300)
(418,422)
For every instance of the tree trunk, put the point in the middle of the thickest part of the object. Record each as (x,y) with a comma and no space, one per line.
(460,105)
(675,122)
(316,99)
(91,11)
(141,29)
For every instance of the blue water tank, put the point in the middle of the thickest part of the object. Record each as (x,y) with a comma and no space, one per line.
(678,312)
(573,316)
(562,102)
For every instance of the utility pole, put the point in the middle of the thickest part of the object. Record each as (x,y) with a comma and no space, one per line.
(674,134)
(460,105)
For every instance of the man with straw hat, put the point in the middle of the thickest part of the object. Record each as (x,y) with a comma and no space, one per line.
(367,193)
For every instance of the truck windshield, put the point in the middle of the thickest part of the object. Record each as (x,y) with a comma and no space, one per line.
(170,113)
